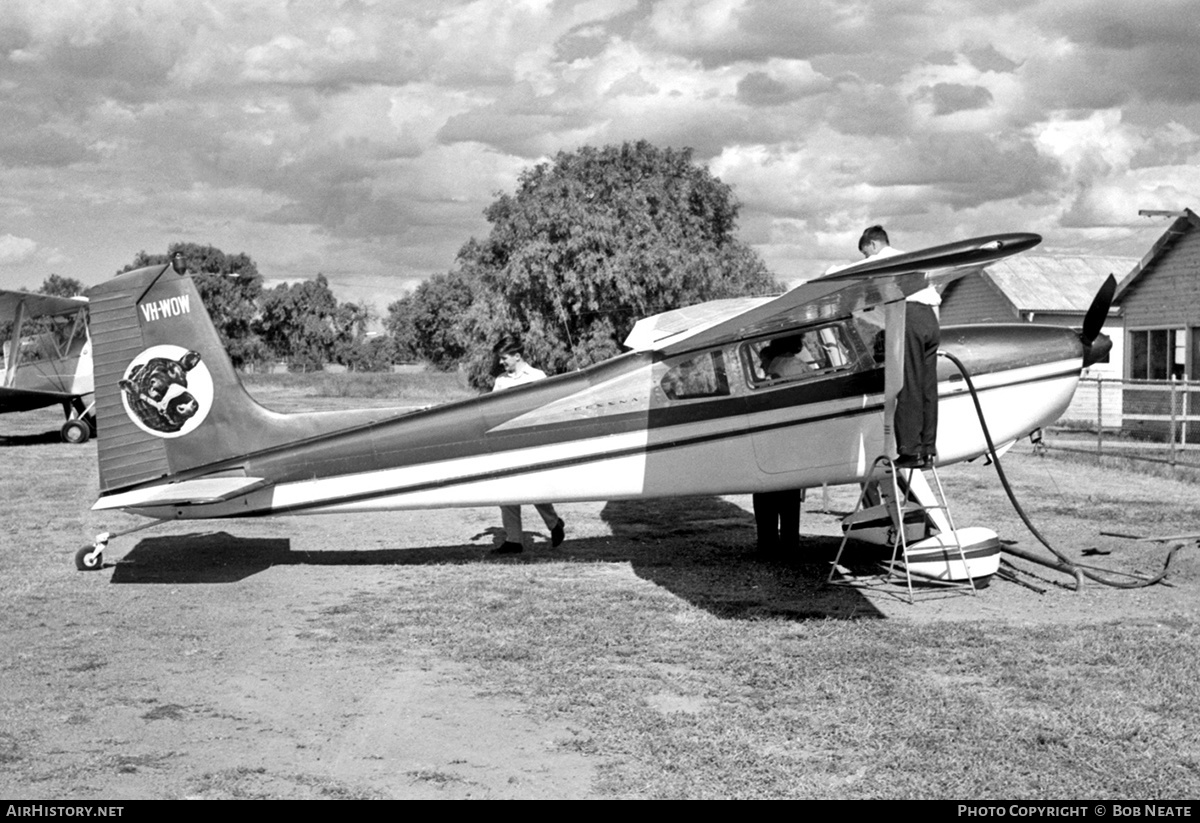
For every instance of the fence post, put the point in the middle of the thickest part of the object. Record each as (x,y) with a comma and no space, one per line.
(1173,417)
(1099,418)
(1186,413)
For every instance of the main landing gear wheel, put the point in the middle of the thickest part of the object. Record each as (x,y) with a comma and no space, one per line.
(76,431)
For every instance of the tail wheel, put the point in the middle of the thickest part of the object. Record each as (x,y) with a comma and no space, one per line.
(89,559)
(76,431)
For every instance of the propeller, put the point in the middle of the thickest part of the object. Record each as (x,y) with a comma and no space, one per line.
(1095,344)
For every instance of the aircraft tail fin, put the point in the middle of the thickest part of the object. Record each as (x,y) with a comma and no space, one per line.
(168,399)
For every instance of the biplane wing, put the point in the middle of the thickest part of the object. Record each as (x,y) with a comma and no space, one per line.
(37,305)
(19,400)
(47,358)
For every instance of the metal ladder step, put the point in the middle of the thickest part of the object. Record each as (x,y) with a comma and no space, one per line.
(897,511)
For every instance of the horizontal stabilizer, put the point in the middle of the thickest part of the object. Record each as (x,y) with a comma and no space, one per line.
(187,492)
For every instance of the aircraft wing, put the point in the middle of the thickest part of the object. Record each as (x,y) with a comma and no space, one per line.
(855,288)
(808,302)
(37,305)
(19,400)
(650,332)
(185,492)
(939,260)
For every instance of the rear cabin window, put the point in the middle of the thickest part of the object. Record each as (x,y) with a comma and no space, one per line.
(803,355)
(700,376)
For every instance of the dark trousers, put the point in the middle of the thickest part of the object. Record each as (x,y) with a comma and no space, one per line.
(917,404)
(777,518)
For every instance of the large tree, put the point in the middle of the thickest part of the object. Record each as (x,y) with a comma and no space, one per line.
(229,285)
(594,241)
(304,324)
(427,324)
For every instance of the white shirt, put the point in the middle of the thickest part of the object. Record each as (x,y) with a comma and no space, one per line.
(523,373)
(928,295)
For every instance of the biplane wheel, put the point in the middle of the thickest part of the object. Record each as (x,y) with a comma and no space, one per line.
(76,431)
(89,559)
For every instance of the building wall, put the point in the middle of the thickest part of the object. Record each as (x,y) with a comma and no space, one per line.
(971,300)
(1167,294)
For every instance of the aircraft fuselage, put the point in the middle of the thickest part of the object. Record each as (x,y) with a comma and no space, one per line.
(703,422)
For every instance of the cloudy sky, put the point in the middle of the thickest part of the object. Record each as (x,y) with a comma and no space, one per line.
(363,139)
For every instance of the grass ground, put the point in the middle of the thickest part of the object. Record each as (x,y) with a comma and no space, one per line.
(321,390)
(682,664)
(686,704)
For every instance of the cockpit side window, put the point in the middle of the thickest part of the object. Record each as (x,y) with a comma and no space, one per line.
(700,376)
(801,355)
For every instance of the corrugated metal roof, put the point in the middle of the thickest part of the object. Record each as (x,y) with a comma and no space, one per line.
(1055,283)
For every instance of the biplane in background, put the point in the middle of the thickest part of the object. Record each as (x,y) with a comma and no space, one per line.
(690,410)
(48,359)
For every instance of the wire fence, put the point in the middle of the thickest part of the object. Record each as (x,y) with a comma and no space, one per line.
(1156,421)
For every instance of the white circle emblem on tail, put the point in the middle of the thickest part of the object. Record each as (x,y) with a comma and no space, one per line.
(167,391)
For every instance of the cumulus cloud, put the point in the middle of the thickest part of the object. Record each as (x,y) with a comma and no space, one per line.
(374,135)
(16,249)
(40,145)
(779,82)
(948,98)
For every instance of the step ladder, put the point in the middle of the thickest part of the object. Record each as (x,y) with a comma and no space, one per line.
(895,489)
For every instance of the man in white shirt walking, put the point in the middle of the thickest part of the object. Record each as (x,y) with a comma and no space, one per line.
(517,372)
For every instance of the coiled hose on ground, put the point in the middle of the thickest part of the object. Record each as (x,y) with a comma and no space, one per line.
(1064,564)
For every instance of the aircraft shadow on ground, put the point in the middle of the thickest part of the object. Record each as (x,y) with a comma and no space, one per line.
(699,549)
(220,557)
(703,549)
(212,557)
(43,439)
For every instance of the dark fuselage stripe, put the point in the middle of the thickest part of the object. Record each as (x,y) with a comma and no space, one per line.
(550,465)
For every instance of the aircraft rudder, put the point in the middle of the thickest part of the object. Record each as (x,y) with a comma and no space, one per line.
(160,367)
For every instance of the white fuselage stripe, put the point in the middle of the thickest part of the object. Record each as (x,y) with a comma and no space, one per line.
(656,462)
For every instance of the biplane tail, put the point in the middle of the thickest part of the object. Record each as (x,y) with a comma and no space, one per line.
(168,399)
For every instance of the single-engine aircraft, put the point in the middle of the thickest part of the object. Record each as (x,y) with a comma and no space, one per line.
(689,410)
(48,359)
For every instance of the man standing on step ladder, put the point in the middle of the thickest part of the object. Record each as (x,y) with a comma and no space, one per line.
(916,415)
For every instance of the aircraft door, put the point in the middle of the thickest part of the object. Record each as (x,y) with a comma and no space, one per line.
(696,439)
(815,405)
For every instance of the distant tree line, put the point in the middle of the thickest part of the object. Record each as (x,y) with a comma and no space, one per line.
(301,324)
(588,244)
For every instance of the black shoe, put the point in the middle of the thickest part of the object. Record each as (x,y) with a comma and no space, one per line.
(508,548)
(908,461)
(557,534)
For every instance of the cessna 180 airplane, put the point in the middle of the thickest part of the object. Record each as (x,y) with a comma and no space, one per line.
(47,358)
(690,410)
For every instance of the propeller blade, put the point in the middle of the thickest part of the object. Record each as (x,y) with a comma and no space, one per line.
(1097,313)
